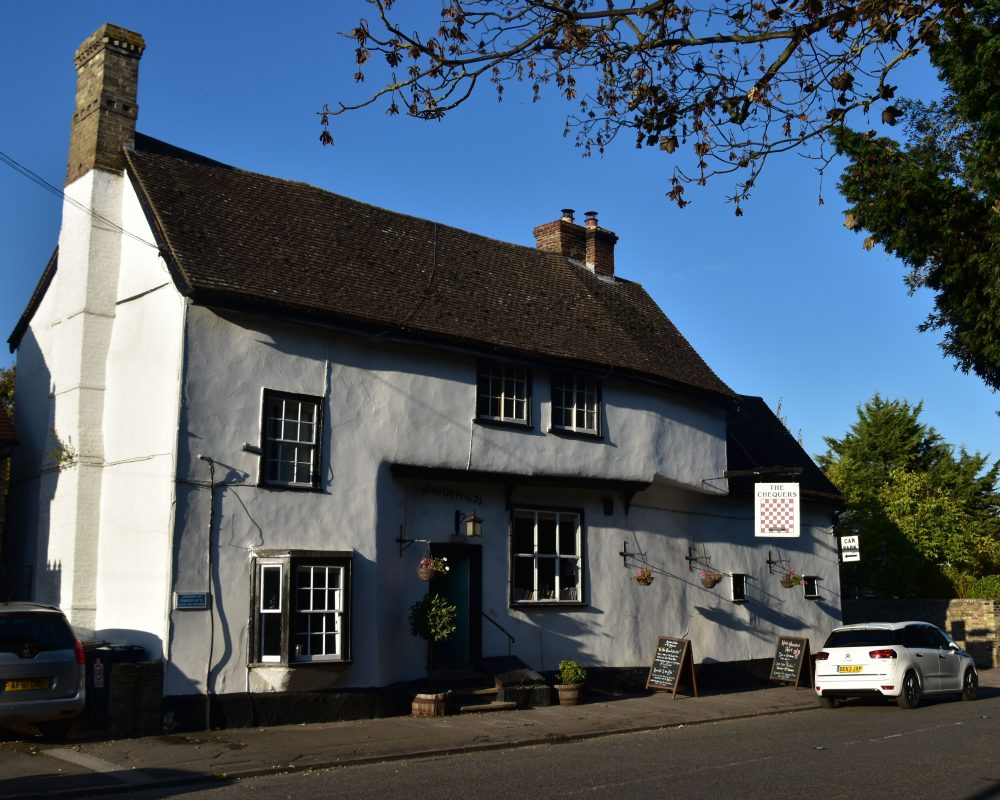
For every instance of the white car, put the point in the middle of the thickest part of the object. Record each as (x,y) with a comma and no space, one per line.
(904,660)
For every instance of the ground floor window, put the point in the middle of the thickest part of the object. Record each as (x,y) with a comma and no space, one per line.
(302,607)
(546,557)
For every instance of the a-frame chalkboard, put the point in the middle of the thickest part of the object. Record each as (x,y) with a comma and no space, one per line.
(672,660)
(791,658)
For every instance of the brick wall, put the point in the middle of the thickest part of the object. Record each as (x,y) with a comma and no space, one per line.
(974,624)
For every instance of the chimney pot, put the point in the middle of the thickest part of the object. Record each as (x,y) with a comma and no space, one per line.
(567,215)
(591,221)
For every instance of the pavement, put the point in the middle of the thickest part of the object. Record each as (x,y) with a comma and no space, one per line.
(30,768)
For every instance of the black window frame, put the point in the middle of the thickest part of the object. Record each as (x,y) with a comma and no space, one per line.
(515,556)
(486,371)
(268,441)
(289,561)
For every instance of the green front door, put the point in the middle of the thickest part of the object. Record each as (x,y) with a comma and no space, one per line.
(461,586)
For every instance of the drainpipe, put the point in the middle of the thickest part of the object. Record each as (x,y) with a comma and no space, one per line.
(211,594)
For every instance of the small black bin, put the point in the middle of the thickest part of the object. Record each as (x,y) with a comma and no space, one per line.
(100,663)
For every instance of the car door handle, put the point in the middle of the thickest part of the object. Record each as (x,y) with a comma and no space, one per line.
(920,655)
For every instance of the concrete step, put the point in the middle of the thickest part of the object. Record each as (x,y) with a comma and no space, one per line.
(486,708)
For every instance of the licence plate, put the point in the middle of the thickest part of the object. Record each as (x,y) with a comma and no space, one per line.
(27,685)
(849,668)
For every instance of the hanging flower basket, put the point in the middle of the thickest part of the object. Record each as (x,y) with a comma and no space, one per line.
(791,579)
(431,566)
(710,578)
(643,576)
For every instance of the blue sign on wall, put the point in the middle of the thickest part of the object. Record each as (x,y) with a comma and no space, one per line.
(191,601)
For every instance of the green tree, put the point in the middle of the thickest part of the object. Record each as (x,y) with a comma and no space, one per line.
(933,200)
(718,86)
(7,389)
(928,517)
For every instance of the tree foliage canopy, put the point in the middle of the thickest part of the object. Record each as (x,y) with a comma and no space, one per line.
(725,83)
(926,515)
(7,389)
(934,201)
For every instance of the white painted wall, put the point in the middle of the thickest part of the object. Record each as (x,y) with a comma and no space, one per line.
(140,420)
(390,403)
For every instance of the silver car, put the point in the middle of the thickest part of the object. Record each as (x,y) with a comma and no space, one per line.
(901,660)
(42,668)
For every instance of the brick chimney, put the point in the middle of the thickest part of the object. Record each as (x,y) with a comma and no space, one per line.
(562,236)
(107,79)
(588,244)
(600,246)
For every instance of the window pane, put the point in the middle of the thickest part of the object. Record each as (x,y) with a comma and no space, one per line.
(524,534)
(568,579)
(270,637)
(546,533)
(270,587)
(567,534)
(546,578)
(524,578)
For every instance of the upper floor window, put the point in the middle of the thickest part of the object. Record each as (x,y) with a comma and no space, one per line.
(576,403)
(291,440)
(503,392)
(547,557)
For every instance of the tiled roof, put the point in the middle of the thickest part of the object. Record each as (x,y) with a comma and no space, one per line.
(238,239)
(758,441)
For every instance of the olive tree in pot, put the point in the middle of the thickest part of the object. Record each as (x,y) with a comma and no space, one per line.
(432,618)
(571,677)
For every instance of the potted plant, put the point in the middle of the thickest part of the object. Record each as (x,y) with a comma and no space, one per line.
(643,576)
(430,566)
(571,677)
(710,578)
(790,579)
(433,618)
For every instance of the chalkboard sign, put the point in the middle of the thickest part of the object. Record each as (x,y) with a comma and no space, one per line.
(671,661)
(790,657)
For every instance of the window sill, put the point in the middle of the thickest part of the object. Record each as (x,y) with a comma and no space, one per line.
(565,433)
(287,487)
(539,605)
(496,423)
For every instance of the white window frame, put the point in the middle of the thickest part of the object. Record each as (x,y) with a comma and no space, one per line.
(503,392)
(578,398)
(312,617)
(291,440)
(565,569)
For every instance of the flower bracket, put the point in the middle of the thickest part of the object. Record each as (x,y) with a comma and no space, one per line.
(698,560)
(403,542)
(626,555)
(782,564)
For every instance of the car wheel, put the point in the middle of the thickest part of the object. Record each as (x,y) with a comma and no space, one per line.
(970,685)
(826,702)
(910,696)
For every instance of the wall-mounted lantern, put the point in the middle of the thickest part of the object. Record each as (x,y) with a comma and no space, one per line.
(468,524)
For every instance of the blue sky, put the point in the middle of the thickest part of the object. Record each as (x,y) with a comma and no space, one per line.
(783,303)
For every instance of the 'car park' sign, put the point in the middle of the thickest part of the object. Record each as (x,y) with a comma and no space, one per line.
(850,550)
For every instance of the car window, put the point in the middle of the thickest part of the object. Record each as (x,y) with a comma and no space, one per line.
(862,638)
(915,636)
(936,638)
(34,632)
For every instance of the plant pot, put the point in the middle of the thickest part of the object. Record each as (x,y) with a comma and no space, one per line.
(644,581)
(425,573)
(429,704)
(569,693)
(711,581)
(787,582)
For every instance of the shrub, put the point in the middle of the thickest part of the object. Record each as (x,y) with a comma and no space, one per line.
(570,672)
(433,618)
(986,588)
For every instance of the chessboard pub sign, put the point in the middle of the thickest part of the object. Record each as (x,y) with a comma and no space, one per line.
(776,509)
